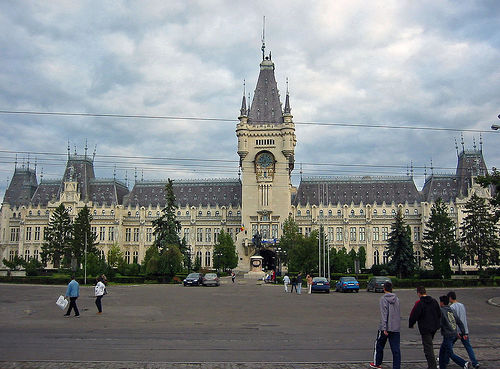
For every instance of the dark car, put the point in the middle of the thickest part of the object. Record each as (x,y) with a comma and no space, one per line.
(376,284)
(320,284)
(347,284)
(193,279)
(210,279)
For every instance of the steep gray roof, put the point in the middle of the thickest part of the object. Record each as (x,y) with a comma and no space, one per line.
(80,168)
(368,190)
(223,192)
(107,191)
(266,105)
(21,188)
(48,190)
(441,186)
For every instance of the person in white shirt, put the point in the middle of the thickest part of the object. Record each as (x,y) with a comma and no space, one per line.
(99,291)
(286,282)
(459,309)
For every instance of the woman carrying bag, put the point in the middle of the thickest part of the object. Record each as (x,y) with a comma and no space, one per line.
(100,290)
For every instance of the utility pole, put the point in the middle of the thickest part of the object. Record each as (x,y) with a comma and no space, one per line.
(85,266)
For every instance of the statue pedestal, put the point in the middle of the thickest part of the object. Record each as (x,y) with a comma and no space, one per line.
(255,268)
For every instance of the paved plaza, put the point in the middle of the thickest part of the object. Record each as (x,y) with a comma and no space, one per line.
(242,325)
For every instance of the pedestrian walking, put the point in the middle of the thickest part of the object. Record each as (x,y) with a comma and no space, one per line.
(99,291)
(294,284)
(233,276)
(73,291)
(427,313)
(449,323)
(286,282)
(388,329)
(299,283)
(459,308)
(309,280)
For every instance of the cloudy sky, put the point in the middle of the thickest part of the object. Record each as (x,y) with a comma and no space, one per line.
(432,64)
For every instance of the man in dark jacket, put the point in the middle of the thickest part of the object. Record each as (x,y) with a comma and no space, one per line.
(428,315)
(449,324)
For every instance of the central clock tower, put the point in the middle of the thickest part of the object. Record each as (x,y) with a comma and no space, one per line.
(266,146)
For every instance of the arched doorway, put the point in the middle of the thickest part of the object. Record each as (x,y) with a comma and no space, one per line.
(269,262)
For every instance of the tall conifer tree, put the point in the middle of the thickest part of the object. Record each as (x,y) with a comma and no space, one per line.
(439,242)
(82,228)
(58,238)
(400,247)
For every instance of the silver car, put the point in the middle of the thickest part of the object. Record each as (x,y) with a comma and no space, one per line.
(210,279)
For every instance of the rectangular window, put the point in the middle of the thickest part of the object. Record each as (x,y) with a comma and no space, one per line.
(274,231)
(208,235)
(216,234)
(416,234)
(28,233)
(102,233)
(128,233)
(136,234)
(199,234)
(44,233)
(352,234)
(111,233)
(255,228)
(362,233)
(385,233)
(300,230)
(37,234)
(186,235)
(94,231)
(36,254)
(339,234)
(136,257)
(264,231)
(230,231)
(376,234)
(330,234)
(149,234)
(127,257)
(14,234)
(307,231)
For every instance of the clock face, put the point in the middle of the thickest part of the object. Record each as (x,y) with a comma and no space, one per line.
(265,160)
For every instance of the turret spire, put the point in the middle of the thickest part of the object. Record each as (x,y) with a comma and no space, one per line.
(243,110)
(287,100)
(263,48)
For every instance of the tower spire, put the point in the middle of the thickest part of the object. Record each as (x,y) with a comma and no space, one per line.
(287,109)
(243,110)
(263,48)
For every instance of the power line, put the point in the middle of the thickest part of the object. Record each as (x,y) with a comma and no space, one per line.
(202,119)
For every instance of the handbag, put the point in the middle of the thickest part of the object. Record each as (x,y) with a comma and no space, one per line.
(62,302)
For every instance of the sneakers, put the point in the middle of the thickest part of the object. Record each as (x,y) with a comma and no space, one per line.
(476,366)
(372,365)
(468,365)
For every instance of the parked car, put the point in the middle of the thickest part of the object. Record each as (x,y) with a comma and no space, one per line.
(211,279)
(376,284)
(347,284)
(320,284)
(193,279)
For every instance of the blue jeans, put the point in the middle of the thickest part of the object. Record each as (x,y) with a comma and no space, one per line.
(446,352)
(394,339)
(469,350)
(299,287)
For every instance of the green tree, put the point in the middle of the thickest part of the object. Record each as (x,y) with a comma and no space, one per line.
(225,256)
(439,243)
(14,263)
(400,247)
(152,260)
(170,261)
(115,256)
(303,255)
(82,230)
(362,257)
(339,260)
(289,238)
(197,263)
(96,265)
(479,232)
(58,238)
(167,227)
(494,181)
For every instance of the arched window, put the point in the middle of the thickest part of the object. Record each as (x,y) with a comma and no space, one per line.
(298,213)
(137,214)
(361,211)
(384,212)
(352,212)
(376,256)
(393,211)
(103,212)
(208,259)
(129,213)
(374,211)
(35,254)
(229,213)
(112,212)
(407,212)
(415,211)
(330,213)
(136,257)
(321,213)
(209,213)
(30,213)
(452,210)
(217,213)
(308,212)
(386,257)
(95,212)
(127,257)
(38,213)
(200,213)
(26,255)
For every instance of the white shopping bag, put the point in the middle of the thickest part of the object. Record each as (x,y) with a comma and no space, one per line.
(62,302)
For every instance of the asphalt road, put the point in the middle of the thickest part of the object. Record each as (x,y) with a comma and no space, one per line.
(241,322)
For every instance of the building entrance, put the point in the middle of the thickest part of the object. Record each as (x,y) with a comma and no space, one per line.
(269,262)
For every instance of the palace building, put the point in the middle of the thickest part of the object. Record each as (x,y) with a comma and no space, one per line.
(355,212)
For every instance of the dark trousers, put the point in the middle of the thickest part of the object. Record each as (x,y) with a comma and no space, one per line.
(294,285)
(429,350)
(72,305)
(394,342)
(446,352)
(98,303)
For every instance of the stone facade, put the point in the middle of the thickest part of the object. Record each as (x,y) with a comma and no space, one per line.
(355,212)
